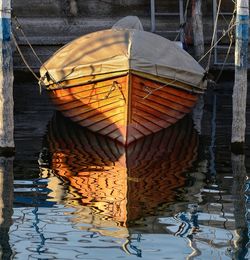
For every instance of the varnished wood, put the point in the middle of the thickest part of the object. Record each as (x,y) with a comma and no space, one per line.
(124,108)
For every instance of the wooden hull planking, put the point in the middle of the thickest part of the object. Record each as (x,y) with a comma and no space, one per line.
(124,108)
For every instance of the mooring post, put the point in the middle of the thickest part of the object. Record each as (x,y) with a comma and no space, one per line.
(6,81)
(197,24)
(6,205)
(239,192)
(240,83)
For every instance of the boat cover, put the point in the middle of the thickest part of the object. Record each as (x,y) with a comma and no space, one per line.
(118,50)
(128,22)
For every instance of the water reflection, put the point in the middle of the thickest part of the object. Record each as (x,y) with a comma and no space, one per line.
(6,205)
(239,189)
(112,185)
(165,196)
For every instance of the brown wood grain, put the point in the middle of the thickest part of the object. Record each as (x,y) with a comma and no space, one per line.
(122,108)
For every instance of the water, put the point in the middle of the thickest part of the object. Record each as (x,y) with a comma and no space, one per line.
(176,195)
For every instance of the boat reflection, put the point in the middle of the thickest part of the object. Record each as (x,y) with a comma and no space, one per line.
(116,183)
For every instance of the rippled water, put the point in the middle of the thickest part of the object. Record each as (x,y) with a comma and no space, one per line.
(175,195)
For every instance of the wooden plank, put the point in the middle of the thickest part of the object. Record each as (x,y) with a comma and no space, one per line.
(100,106)
(177,103)
(168,89)
(155,111)
(150,123)
(79,88)
(139,125)
(86,97)
(159,107)
(112,128)
(87,80)
(107,116)
(97,126)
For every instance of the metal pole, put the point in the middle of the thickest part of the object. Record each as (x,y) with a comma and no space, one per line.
(6,81)
(152,6)
(240,84)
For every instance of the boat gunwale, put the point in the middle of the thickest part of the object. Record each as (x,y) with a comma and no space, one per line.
(168,81)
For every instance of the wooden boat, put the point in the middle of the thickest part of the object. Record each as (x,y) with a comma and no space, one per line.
(118,183)
(124,83)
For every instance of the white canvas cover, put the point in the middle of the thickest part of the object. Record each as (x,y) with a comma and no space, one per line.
(119,50)
(128,22)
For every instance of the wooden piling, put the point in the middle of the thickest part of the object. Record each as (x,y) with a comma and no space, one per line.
(6,205)
(6,81)
(240,85)
(239,194)
(198,37)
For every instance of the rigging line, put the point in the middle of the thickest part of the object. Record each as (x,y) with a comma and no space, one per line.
(225,60)
(213,46)
(151,91)
(213,37)
(23,58)
(19,27)
(231,37)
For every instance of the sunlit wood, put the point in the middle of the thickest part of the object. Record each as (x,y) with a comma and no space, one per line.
(125,108)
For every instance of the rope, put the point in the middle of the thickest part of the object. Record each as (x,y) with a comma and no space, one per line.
(23,58)
(211,48)
(151,91)
(223,65)
(40,80)
(213,37)
(231,25)
(113,88)
(231,37)
(19,27)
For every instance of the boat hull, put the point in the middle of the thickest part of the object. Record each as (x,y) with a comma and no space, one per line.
(125,108)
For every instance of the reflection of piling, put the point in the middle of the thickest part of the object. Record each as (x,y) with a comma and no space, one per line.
(240,85)
(6,205)
(238,191)
(6,81)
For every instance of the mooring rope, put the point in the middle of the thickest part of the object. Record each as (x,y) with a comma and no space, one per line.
(41,79)
(231,25)
(19,27)
(150,91)
(23,58)
(214,45)
(231,37)
(214,32)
